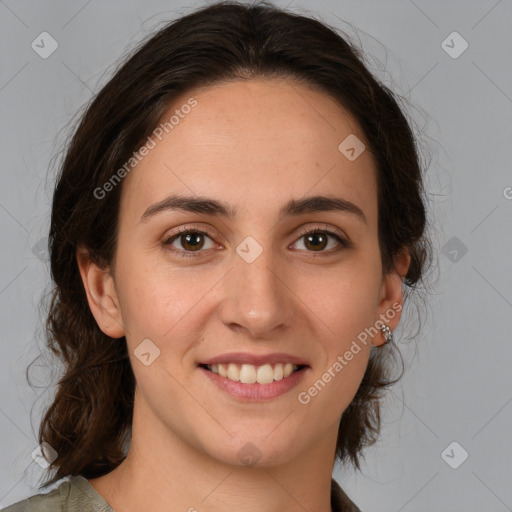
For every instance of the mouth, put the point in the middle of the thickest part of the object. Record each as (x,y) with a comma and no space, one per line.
(266,373)
(257,382)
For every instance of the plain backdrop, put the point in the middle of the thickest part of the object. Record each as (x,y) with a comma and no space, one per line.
(445,442)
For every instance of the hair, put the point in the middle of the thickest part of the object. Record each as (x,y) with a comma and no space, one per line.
(88,423)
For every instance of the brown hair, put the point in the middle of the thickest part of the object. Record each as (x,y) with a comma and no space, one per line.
(88,423)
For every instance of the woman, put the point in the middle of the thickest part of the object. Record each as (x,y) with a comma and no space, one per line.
(234,224)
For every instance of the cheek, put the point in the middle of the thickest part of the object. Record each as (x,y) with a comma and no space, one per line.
(348,306)
(159,300)
(347,312)
(333,387)
(349,345)
(349,303)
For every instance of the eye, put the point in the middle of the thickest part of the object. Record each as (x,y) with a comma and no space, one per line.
(191,240)
(317,239)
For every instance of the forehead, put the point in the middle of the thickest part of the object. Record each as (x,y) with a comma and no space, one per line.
(253,144)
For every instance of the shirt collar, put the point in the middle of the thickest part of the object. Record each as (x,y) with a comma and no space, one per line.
(340,502)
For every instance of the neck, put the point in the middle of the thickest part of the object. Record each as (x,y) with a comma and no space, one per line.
(162,471)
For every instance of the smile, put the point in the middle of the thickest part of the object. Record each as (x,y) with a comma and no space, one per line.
(251,374)
(250,383)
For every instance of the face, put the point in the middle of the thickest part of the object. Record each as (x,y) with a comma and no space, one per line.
(249,284)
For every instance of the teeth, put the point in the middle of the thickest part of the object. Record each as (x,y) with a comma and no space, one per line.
(265,374)
(233,372)
(249,374)
(288,369)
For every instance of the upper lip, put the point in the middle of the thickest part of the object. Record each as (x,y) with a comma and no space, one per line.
(256,360)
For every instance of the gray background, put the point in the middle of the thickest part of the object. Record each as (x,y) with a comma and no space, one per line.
(458,386)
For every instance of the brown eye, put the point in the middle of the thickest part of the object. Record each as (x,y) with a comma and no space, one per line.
(191,241)
(188,241)
(317,240)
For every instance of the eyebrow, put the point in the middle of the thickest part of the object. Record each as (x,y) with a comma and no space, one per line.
(208,206)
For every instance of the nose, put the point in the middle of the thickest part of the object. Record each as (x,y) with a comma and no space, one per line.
(258,297)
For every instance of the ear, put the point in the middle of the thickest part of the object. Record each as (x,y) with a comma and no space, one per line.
(101,295)
(391,298)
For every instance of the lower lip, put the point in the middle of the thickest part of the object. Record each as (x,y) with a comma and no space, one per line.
(256,392)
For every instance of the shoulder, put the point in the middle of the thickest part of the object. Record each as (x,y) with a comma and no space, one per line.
(51,501)
(73,495)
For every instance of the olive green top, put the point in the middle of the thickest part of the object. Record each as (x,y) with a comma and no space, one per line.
(78,495)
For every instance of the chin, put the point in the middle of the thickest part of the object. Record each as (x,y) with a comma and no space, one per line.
(258,451)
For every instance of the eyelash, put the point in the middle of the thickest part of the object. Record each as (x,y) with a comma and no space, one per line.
(307,231)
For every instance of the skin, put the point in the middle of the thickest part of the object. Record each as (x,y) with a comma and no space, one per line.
(253,145)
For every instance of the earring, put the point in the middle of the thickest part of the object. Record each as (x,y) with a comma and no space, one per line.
(388,335)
